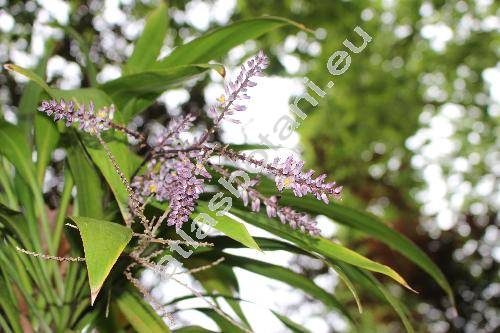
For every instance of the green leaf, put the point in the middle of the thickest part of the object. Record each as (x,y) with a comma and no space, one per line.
(121,154)
(17,150)
(156,81)
(348,283)
(31,92)
(118,147)
(219,278)
(212,45)
(46,139)
(79,96)
(282,274)
(318,245)
(9,308)
(229,226)
(267,244)
(29,74)
(13,222)
(15,147)
(84,48)
(293,326)
(224,324)
(148,46)
(370,283)
(217,43)
(140,314)
(103,242)
(87,181)
(373,227)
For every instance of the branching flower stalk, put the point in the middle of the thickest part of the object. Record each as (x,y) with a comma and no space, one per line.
(177,172)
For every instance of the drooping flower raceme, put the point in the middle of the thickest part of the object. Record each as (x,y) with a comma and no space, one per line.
(87,119)
(304,222)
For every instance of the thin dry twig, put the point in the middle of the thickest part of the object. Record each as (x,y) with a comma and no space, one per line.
(201,268)
(170,241)
(156,305)
(49,257)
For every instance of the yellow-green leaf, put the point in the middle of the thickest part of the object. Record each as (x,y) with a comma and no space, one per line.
(103,242)
(148,46)
(229,226)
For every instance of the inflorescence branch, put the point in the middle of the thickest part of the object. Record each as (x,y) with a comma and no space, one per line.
(176,171)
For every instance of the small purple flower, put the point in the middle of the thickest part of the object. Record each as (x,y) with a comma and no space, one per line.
(86,119)
(175,127)
(175,182)
(288,174)
(236,90)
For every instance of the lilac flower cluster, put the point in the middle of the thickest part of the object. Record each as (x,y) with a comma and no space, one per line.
(177,182)
(175,169)
(170,135)
(236,90)
(302,221)
(289,175)
(87,120)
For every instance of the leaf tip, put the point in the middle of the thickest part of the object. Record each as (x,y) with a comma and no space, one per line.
(93,295)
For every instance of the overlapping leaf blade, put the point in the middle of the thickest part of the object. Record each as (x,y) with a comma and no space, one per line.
(318,245)
(140,314)
(148,46)
(374,227)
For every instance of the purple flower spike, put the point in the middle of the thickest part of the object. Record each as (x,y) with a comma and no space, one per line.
(289,175)
(69,112)
(236,90)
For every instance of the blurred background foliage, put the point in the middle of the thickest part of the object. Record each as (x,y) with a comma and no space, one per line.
(411,129)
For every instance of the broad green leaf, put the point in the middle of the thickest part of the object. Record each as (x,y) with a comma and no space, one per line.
(103,242)
(140,314)
(118,147)
(290,324)
(46,139)
(80,96)
(137,91)
(229,226)
(16,149)
(147,47)
(156,81)
(89,64)
(121,155)
(224,324)
(281,274)
(31,92)
(220,279)
(87,181)
(374,227)
(210,46)
(218,42)
(318,245)
(371,284)
(268,244)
